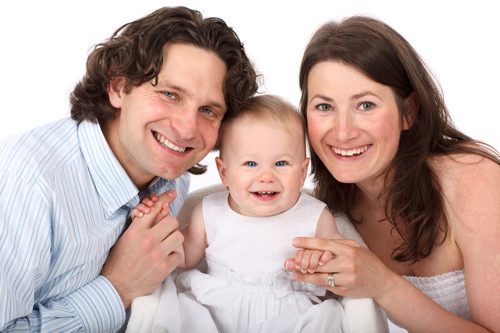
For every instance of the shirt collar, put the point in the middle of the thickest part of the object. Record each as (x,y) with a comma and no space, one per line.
(113,185)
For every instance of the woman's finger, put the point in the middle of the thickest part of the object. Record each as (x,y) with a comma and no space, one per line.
(321,279)
(321,244)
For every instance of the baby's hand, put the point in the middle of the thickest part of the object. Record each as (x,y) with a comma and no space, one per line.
(307,261)
(144,207)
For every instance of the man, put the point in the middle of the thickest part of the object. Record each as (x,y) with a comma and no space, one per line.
(148,110)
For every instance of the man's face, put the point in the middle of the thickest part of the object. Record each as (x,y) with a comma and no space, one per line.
(164,129)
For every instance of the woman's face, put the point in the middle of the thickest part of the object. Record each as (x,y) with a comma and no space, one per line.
(353,122)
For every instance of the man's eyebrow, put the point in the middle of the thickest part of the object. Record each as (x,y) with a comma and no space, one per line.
(164,85)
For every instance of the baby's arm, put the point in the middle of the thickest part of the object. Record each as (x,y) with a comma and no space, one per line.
(194,245)
(309,260)
(195,238)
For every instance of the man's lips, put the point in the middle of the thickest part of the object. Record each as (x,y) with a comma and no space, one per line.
(161,139)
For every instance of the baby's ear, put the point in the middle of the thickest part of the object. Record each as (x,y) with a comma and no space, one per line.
(413,106)
(304,168)
(221,167)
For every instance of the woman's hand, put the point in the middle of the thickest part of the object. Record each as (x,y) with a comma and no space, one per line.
(357,272)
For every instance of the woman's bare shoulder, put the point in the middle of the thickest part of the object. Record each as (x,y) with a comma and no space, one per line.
(470,185)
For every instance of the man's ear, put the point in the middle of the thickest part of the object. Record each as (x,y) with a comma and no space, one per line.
(303,170)
(221,167)
(115,91)
(413,105)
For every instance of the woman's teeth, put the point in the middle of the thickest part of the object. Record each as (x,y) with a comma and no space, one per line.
(350,152)
(161,139)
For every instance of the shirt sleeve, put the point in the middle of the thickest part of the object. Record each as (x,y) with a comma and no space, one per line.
(25,257)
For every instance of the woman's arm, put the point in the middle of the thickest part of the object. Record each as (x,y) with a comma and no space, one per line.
(358,273)
(471,185)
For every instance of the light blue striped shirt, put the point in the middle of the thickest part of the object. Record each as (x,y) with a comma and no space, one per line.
(64,200)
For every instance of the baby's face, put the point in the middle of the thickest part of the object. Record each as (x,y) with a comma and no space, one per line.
(264,166)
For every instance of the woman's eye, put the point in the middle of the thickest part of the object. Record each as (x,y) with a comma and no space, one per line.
(365,106)
(250,164)
(168,94)
(280,163)
(324,107)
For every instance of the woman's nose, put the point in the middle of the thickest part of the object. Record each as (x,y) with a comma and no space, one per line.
(344,126)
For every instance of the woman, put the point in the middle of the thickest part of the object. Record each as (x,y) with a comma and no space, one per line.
(424,196)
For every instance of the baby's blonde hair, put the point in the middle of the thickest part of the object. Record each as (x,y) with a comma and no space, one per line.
(266,107)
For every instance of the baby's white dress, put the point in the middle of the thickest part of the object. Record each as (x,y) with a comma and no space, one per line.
(246,287)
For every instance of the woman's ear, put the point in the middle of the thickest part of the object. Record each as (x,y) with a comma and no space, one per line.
(115,91)
(413,105)
(221,167)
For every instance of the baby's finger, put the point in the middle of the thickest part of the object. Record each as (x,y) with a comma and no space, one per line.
(148,202)
(143,208)
(306,258)
(325,257)
(136,213)
(298,258)
(314,261)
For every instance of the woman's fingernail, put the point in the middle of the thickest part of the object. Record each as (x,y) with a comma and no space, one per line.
(294,275)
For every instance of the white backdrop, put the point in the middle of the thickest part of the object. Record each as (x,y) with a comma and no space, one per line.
(44,46)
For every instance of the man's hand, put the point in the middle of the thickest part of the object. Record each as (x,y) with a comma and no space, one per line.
(145,254)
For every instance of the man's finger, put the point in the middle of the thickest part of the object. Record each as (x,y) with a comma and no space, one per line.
(164,228)
(172,242)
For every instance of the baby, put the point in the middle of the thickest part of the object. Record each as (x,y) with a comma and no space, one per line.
(246,234)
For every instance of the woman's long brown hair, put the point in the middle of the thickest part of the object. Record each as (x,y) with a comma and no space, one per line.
(414,199)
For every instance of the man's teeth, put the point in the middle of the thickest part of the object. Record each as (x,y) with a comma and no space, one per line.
(161,139)
(350,152)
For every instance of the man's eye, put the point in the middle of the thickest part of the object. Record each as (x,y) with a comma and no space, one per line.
(280,163)
(207,111)
(168,94)
(250,164)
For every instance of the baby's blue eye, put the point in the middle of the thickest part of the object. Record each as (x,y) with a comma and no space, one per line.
(280,163)
(250,164)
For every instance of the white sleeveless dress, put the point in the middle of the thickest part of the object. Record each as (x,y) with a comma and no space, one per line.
(447,290)
(246,288)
